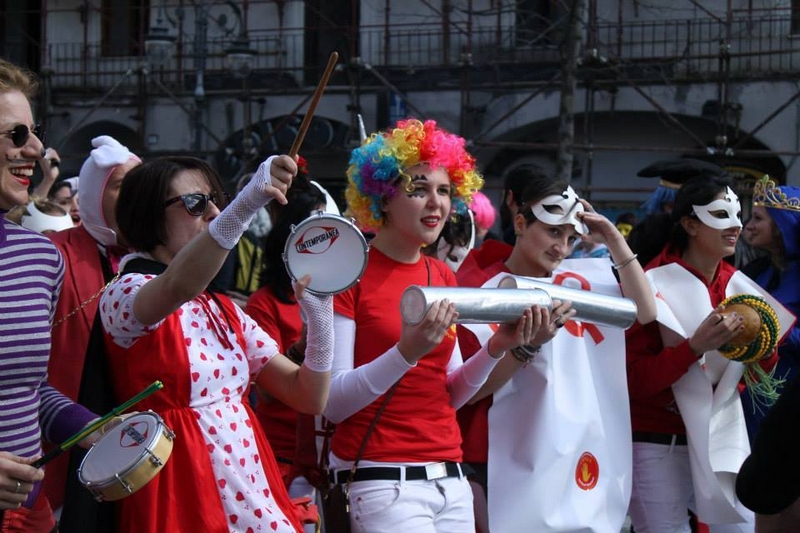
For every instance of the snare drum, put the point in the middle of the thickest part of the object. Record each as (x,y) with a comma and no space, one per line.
(328,247)
(127,457)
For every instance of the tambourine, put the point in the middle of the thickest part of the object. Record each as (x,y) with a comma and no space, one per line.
(328,247)
(127,457)
(761,329)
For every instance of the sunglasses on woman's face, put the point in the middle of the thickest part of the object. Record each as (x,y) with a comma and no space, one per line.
(21,133)
(196,204)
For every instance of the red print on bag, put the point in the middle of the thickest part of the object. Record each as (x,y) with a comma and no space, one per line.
(573,326)
(587,472)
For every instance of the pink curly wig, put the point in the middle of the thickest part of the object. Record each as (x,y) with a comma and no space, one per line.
(484,211)
(379,166)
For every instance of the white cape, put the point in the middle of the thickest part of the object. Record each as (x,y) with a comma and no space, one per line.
(559,430)
(707,395)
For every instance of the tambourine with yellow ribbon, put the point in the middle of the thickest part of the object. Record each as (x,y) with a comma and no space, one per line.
(756,341)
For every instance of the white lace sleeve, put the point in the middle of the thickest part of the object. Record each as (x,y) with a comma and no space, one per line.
(116,310)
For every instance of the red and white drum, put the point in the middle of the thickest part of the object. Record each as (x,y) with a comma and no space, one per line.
(127,457)
(328,247)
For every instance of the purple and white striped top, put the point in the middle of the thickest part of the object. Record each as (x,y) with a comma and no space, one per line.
(31,273)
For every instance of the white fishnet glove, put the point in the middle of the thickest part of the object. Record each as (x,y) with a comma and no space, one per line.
(229,226)
(318,314)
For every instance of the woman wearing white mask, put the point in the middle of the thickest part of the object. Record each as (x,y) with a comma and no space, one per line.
(547,459)
(689,437)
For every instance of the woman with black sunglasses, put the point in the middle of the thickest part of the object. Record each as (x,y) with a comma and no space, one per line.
(31,274)
(162,321)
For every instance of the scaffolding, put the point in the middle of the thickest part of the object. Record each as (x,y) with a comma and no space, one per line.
(505,48)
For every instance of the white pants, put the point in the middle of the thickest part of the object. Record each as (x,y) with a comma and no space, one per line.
(662,491)
(438,506)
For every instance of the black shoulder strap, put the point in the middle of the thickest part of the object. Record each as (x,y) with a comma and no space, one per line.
(81,512)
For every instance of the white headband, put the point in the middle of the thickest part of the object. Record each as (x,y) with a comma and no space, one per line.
(570,206)
(729,204)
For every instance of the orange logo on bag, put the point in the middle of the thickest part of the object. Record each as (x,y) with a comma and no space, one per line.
(316,240)
(587,472)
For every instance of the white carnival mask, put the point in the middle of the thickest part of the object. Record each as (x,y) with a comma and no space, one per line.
(723,213)
(570,207)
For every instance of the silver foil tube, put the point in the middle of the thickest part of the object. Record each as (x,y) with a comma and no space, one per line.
(474,306)
(589,306)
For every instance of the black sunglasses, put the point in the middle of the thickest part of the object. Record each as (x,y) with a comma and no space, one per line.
(20,134)
(195,203)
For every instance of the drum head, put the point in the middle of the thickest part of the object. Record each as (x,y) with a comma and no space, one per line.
(120,448)
(329,248)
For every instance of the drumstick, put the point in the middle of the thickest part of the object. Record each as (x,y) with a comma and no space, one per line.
(301,132)
(94,426)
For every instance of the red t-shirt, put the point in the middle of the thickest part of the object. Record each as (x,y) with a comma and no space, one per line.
(479,266)
(283,323)
(418,424)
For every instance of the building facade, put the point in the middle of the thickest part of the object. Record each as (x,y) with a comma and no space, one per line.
(715,80)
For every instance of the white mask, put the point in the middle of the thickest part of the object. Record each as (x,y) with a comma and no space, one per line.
(570,207)
(729,204)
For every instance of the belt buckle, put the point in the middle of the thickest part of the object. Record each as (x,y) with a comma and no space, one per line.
(435,471)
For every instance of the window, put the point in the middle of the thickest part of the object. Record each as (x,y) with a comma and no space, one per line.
(124,24)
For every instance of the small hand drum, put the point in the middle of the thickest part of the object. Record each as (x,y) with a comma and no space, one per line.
(127,457)
(328,247)
(761,329)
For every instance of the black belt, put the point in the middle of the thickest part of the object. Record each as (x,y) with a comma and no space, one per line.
(393,473)
(659,438)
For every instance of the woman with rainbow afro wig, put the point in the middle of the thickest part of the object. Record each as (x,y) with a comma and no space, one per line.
(379,167)
(405,473)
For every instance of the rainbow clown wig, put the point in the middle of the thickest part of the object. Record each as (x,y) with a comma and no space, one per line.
(379,166)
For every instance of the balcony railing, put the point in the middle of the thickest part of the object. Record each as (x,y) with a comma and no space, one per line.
(747,47)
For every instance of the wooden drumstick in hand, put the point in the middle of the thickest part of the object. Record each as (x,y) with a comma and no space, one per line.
(97,424)
(301,133)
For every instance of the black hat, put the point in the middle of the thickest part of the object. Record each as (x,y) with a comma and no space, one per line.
(675,172)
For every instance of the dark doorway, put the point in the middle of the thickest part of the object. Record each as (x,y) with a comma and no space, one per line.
(21,32)
(330,26)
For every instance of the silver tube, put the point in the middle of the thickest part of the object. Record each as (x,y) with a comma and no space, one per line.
(589,306)
(474,306)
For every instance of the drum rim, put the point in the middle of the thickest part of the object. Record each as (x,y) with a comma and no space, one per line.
(337,218)
(144,456)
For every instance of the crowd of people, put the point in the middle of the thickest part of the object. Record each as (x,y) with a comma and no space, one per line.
(275,394)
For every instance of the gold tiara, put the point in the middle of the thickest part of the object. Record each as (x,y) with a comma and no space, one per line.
(767,194)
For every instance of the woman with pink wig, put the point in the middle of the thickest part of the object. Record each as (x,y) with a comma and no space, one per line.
(484,214)
(406,381)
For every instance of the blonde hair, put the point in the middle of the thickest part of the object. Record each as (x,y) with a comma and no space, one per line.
(14,78)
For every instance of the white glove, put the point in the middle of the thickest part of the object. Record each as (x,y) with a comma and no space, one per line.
(231,224)
(318,312)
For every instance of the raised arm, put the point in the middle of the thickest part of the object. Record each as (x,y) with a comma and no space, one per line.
(633,282)
(196,264)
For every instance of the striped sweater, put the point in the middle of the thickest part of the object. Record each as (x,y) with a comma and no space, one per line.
(31,273)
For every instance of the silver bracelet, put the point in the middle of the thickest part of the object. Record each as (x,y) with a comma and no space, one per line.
(525,354)
(619,266)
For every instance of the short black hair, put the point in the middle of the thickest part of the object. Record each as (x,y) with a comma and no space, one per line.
(536,190)
(303,198)
(57,186)
(140,210)
(515,182)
